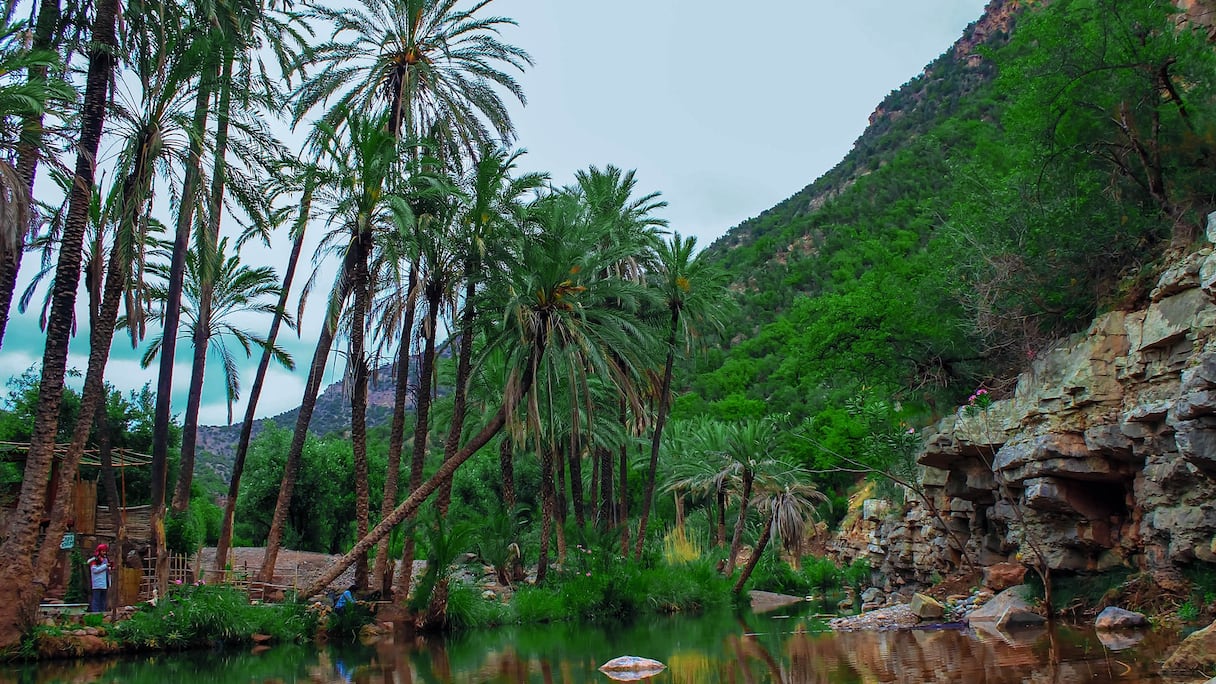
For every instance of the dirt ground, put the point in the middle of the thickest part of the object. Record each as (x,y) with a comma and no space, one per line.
(291,568)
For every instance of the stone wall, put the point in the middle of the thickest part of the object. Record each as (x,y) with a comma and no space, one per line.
(1107,445)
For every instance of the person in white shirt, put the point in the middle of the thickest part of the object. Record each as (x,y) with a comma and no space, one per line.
(99,572)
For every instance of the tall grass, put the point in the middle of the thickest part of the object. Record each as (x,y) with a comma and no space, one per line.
(207,615)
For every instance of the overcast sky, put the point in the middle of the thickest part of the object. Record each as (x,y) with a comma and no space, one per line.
(725,108)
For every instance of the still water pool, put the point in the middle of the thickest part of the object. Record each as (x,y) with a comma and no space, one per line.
(781,647)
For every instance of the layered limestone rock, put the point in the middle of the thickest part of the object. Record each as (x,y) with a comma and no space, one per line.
(1103,456)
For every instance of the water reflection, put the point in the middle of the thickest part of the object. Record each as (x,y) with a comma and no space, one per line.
(790,649)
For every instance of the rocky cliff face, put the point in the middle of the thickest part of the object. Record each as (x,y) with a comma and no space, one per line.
(1107,449)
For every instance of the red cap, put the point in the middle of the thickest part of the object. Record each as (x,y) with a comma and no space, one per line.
(103,547)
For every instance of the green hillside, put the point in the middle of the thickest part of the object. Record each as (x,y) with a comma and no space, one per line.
(1021,184)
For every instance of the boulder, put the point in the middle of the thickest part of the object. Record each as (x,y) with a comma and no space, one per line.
(1196,652)
(1008,601)
(926,607)
(1001,576)
(1112,619)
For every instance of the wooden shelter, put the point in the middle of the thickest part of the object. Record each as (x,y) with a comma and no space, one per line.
(91,524)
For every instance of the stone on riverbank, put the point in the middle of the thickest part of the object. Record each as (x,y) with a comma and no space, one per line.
(1196,652)
(926,607)
(1113,618)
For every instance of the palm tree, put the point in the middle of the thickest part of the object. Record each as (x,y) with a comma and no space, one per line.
(227,33)
(20,595)
(437,265)
(237,290)
(592,335)
(752,445)
(356,191)
(621,218)
(436,69)
(394,315)
(493,217)
(148,126)
(789,499)
(693,293)
(27,100)
(556,296)
(701,465)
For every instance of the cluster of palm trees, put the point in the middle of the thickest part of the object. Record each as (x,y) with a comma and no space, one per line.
(565,307)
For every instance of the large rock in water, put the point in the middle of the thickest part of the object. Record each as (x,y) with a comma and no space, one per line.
(1007,609)
(631,668)
(1113,618)
(1196,652)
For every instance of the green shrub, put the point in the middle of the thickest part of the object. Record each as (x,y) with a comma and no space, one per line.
(538,604)
(858,573)
(206,615)
(344,625)
(775,575)
(822,574)
(184,531)
(467,609)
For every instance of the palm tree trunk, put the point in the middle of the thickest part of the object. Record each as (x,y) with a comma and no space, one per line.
(102,322)
(547,514)
(594,493)
(737,540)
(307,405)
(27,155)
(420,494)
(656,441)
(422,412)
(622,512)
(559,466)
(751,562)
(19,594)
(720,539)
(607,512)
(396,440)
(255,391)
(464,365)
(576,485)
(194,400)
(110,485)
(168,347)
(358,397)
(202,329)
(506,467)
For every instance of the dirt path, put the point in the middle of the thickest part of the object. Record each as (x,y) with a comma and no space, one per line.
(291,568)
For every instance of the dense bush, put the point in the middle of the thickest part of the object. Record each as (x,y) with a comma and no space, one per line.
(207,615)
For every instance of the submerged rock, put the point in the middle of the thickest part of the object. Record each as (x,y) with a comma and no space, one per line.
(631,668)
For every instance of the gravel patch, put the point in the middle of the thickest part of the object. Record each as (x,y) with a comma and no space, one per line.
(896,617)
